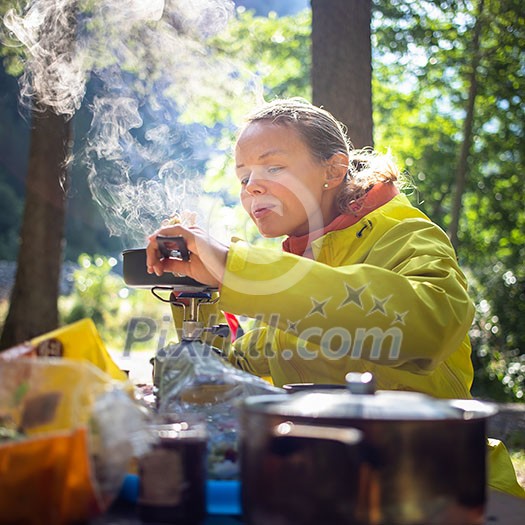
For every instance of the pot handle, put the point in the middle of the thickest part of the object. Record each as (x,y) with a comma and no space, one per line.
(347,436)
(156,291)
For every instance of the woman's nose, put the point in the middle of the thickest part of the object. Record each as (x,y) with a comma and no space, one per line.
(254,186)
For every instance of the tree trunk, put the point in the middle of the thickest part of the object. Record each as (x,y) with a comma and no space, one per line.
(462,167)
(34,299)
(342,64)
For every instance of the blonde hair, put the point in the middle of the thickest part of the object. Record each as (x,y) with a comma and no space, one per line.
(366,168)
(325,136)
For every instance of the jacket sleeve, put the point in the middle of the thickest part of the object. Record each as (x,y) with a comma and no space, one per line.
(248,352)
(404,304)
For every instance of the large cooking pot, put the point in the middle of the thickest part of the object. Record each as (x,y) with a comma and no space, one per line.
(406,458)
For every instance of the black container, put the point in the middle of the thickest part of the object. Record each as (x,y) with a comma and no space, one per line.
(173,476)
(136,275)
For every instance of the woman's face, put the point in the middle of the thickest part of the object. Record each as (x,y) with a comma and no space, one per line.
(281,182)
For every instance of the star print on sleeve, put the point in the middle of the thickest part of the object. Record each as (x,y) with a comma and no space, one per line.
(399,318)
(353,295)
(292,326)
(318,307)
(379,305)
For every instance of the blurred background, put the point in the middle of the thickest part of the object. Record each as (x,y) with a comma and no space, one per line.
(446,98)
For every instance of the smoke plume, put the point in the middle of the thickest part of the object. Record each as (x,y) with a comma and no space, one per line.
(152,70)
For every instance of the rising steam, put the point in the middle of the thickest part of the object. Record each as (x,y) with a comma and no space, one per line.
(150,64)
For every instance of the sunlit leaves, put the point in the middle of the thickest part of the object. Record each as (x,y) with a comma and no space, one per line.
(422,57)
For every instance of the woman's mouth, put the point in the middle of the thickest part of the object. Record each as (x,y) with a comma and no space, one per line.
(262,210)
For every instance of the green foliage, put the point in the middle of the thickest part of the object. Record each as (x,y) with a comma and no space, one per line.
(274,52)
(499,361)
(101,294)
(421,66)
(96,290)
(11,53)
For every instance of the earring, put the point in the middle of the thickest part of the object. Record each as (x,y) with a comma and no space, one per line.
(325,185)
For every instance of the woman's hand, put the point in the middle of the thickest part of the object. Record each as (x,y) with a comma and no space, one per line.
(207,255)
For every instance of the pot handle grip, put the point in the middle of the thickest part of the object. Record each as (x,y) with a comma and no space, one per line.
(347,436)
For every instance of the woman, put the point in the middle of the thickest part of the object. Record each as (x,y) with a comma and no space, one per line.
(365,282)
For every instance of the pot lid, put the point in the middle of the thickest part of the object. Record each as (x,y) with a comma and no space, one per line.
(361,401)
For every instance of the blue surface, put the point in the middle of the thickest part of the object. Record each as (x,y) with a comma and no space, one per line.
(130,488)
(222,497)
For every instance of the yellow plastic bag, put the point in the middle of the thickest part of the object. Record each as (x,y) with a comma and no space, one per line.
(79,340)
(68,432)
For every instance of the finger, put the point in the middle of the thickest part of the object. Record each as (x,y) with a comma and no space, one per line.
(188,233)
(165,230)
(153,259)
(176,267)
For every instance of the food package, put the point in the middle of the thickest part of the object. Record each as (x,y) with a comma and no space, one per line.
(68,432)
(198,385)
(69,427)
(79,340)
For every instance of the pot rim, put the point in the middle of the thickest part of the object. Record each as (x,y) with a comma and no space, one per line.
(462,410)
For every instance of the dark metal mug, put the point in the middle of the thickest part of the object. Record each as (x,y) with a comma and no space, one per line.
(172,475)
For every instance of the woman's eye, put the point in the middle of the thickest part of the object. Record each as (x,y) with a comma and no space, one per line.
(274,169)
(244,181)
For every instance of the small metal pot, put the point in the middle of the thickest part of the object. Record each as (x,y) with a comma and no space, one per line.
(414,459)
(136,275)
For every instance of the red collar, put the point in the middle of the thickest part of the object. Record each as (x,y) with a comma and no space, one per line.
(380,194)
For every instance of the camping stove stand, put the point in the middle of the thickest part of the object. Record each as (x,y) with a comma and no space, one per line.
(192,329)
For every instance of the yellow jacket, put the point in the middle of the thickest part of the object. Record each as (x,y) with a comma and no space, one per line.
(385,295)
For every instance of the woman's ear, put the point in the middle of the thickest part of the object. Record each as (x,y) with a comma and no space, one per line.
(336,169)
